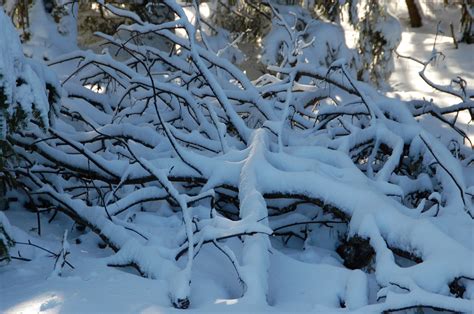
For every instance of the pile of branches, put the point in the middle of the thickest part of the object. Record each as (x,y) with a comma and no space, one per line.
(184,134)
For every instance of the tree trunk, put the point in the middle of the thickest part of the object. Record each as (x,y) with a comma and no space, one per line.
(414,12)
(466,22)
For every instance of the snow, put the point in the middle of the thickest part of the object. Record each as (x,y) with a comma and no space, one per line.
(82,290)
(255,262)
(49,39)
(159,217)
(457,62)
(21,80)
(11,55)
(321,47)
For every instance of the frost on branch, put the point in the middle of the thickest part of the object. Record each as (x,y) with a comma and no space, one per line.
(164,153)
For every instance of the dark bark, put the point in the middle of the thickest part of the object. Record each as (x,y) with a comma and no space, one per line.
(414,12)
(356,252)
(466,22)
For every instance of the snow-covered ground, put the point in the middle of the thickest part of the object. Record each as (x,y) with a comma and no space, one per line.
(419,43)
(92,287)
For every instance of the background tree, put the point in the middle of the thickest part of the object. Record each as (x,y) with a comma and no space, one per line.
(467,18)
(29,94)
(414,12)
(53,21)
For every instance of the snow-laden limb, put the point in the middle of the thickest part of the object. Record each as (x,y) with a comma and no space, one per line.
(120,12)
(151,261)
(180,287)
(255,259)
(413,297)
(164,153)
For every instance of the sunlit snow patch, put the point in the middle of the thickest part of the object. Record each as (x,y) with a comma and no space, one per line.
(49,303)
(227,301)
